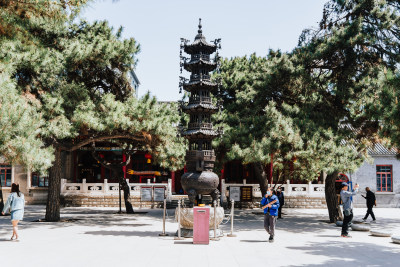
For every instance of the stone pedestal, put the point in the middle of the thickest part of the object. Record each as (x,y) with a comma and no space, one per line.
(187,221)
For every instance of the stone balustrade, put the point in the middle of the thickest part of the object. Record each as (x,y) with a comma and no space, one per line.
(308,189)
(106,189)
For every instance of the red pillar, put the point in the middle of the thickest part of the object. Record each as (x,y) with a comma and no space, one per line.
(124,167)
(271,170)
(173,181)
(222,176)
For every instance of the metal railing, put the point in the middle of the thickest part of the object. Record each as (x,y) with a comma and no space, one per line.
(201,125)
(199,56)
(198,77)
(200,99)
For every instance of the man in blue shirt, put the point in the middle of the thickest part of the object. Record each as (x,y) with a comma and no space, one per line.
(346,197)
(270,205)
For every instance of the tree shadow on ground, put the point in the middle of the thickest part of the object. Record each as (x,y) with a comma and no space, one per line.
(245,220)
(124,233)
(351,253)
(254,241)
(78,217)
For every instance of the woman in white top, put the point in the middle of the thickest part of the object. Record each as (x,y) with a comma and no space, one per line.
(16,203)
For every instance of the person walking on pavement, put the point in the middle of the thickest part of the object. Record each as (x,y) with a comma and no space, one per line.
(346,197)
(270,205)
(281,199)
(371,201)
(15,201)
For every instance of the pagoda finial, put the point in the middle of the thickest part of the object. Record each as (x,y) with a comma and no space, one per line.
(200,31)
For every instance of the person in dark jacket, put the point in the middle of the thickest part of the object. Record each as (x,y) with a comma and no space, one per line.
(270,205)
(281,199)
(371,201)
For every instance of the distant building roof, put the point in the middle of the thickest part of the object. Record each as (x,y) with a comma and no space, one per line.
(134,77)
(134,81)
(376,149)
(379,149)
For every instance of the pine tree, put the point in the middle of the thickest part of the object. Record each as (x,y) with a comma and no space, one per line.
(348,55)
(270,115)
(333,79)
(76,73)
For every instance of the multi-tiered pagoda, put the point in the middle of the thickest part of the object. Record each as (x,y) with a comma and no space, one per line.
(200,178)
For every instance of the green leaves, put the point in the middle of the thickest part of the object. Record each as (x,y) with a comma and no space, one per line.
(75,77)
(320,102)
(20,125)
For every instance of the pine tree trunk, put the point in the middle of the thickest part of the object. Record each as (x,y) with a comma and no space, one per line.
(128,205)
(54,190)
(125,187)
(331,198)
(261,176)
(1,199)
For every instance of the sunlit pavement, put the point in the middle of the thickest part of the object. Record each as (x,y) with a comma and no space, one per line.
(100,237)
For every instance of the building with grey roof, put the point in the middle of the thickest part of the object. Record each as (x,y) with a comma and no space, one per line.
(381,175)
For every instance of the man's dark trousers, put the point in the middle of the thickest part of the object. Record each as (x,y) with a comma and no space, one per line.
(269,224)
(369,211)
(346,222)
(280,212)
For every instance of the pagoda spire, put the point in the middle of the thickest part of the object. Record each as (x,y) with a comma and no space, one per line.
(200,31)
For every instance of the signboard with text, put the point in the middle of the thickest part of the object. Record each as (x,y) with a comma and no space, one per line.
(159,193)
(146,193)
(234,193)
(246,193)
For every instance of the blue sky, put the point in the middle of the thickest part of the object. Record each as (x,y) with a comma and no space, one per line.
(244,27)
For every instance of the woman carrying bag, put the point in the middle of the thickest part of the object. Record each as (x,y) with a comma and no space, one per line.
(15,202)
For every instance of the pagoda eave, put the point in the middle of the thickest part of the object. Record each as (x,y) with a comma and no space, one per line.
(200,134)
(192,86)
(199,107)
(196,64)
(200,45)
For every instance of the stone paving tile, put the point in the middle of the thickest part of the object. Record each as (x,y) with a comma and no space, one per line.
(102,238)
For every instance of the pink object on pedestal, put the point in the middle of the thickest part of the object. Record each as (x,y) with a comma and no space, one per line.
(201,225)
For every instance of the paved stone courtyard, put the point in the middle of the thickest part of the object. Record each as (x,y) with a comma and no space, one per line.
(102,238)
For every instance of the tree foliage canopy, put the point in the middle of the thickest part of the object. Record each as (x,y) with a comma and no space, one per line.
(74,77)
(317,104)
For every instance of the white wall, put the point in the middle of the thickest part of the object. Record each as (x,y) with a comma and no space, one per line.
(366,176)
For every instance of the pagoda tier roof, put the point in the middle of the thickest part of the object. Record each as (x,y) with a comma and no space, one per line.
(199,107)
(200,45)
(200,134)
(192,86)
(200,63)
